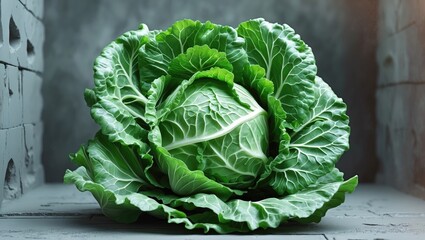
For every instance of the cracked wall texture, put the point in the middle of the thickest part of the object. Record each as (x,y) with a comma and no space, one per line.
(341,33)
(21,66)
(401,95)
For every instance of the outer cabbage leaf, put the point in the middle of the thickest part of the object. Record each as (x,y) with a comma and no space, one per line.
(316,145)
(257,84)
(118,124)
(119,98)
(119,167)
(127,208)
(289,63)
(271,212)
(211,212)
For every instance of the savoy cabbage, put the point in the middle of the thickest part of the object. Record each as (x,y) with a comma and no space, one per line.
(214,128)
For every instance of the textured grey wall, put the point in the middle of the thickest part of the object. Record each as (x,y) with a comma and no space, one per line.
(341,33)
(400,95)
(21,64)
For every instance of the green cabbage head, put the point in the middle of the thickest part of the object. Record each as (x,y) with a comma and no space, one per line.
(214,128)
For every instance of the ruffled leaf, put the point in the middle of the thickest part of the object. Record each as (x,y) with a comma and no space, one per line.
(118,124)
(196,59)
(311,204)
(119,98)
(289,63)
(213,213)
(316,145)
(156,56)
(255,82)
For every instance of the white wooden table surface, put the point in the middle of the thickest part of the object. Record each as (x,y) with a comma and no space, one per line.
(56,211)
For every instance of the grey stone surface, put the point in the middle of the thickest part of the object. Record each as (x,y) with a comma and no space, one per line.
(13,159)
(11,98)
(371,212)
(400,95)
(32,169)
(341,33)
(401,56)
(20,28)
(401,136)
(21,39)
(400,62)
(34,32)
(32,99)
(13,48)
(4,96)
(2,160)
(35,7)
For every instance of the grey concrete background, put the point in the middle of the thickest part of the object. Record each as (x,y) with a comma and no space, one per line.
(21,64)
(400,95)
(341,33)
